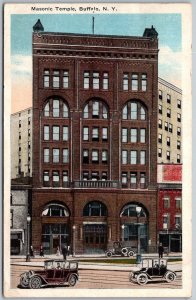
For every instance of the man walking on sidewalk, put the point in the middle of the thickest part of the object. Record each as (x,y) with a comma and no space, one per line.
(64,252)
(161,250)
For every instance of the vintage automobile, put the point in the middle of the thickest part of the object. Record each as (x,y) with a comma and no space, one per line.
(56,272)
(152,270)
(120,248)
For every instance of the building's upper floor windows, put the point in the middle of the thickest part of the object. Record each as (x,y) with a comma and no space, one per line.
(105,81)
(134,135)
(159,152)
(160,95)
(168,112)
(178,159)
(134,111)
(166,202)
(86,80)
(170,127)
(160,109)
(95,109)
(46,78)
(160,124)
(144,82)
(125,82)
(96,80)
(179,131)
(65,79)
(56,79)
(56,108)
(168,98)
(178,103)
(179,117)
(60,78)
(134,81)
(178,145)
(178,202)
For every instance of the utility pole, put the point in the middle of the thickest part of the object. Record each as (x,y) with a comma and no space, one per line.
(93,25)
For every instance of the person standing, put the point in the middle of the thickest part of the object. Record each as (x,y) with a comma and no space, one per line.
(31,251)
(64,252)
(57,251)
(160,250)
(41,251)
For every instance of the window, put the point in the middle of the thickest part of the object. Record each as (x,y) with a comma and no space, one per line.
(142,157)
(166,202)
(170,127)
(29,120)
(86,80)
(159,152)
(105,81)
(125,82)
(55,79)
(65,133)
(179,117)
(104,134)
(168,155)
(105,112)
(65,178)
(85,175)
(166,126)
(11,218)
(55,155)
(142,180)
(95,134)
(178,159)
(124,179)
(47,110)
(133,135)
(178,131)
(46,133)
(55,133)
(160,138)
(46,178)
(134,82)
(104,176)
(133,111)
(29,145)
(55,178)
(178,145)
(95,209)
(85,133)
(142,113)
(168,112)
(160,95)
(65,79)
(144,82)
(85,112)
(178,202)
(65,156)
(95,156)
(166,221)
(95,176)
(168,141)
(168,98)
(177,221)
(55,111)
(19,136)
(46,155)
(29,132)
(124,135)
(65,111)
(160,124)
(160,109)
(133,157)
(85,156)
(124,157)
(46,78)
(142,135)
(125,112)
(95,80)
(104,156)
(133,180)
(95,109)
(19,124)
(178,103)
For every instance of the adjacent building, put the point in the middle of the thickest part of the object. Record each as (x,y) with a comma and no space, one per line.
(94,140)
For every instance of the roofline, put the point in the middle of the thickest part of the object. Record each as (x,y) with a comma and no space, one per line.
(20,111)
(170,85)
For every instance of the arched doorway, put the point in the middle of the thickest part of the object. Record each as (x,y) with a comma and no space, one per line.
(134,226)
(55,227)
(95,227)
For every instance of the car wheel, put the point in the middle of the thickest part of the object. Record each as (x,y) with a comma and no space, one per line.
(24,282)
(170,276)
(109,254)
(124,251)
(72,280)
(130,253)
(142,279)
(35,282)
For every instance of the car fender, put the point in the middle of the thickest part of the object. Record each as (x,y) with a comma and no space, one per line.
(77,277)
(42,278)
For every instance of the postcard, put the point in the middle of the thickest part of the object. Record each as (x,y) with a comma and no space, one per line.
(97,150)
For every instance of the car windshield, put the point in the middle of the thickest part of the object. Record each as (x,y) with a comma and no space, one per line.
(73,265)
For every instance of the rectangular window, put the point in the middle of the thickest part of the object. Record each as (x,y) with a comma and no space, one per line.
(168,155)
(46,133)
(159,152)
(166,202)
(178,103)
(95,80)
(170,127)
(55,133)
(65,79)
(160,109)
(178,145)
(160,138)
(85,133)
(133,135)
(86,80)
(85,112)
(160,95)
(85,156)
(56,79)
(55,179)
(47,110)
(104,156)
(105,112)
(160,124)
(95,176)
(46,78)
(55,155)
(85,175)
(124,135)
(95,109)
(105,81)
(178,131)
(142,135)
(29,132)
(46,178)
(124,157)
(95,156)
(166,221)
(55,111)
(29,120)
(178,159)
(65,133)
(65,156)
(46,155)
(19,124)
(179,117)
(124,179)
(144,82)
(133,180)
(125,82)
(178,202)
(104,176)
(95,134)
(168,112)
(168,98)
(65,179)
(168,141)
(178,221)
(142,180)
(104,134)
(166,126)
(133,111)
(125,113)
(133,157)
(134,82)
(142,157)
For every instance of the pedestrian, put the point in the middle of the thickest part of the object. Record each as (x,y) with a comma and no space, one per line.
(31,251)
(41,251)
(68,250)
(161,250)
(64,252)
(57,251)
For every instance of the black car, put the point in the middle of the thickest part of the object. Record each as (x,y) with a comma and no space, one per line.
(152,270)
(120,248)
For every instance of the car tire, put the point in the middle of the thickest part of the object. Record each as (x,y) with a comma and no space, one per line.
(130,253)
(124,251)
(35,282)
(142,279)
(72,280)
(24,282)
(170,276)
(109,254)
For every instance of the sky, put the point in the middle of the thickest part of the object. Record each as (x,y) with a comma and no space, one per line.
(168,27)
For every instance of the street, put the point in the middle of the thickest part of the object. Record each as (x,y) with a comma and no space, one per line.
(108,279)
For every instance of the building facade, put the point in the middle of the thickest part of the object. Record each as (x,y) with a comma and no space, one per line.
(21,144)
(169,123)
(170,206)
(94,140)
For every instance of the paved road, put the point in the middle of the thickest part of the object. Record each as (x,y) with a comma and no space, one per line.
(99,279)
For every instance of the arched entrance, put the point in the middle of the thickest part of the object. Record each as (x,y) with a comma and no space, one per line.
(134,226)
(95,227)
(55,227)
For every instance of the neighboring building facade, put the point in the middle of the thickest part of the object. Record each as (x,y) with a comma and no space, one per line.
(170,206)
(21,143)
(94,140)
(169,123)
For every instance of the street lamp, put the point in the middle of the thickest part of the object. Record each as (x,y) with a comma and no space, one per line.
(74,228)
(123,227)
(28,237)
(138,258)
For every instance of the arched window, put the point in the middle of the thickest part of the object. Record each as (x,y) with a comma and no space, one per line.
(95,109)
(134,110)
(55,210)
(133,210)
(95,209)
(56,107)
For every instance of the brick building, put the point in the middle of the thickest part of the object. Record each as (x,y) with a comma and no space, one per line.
(170,206)
(94,140)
